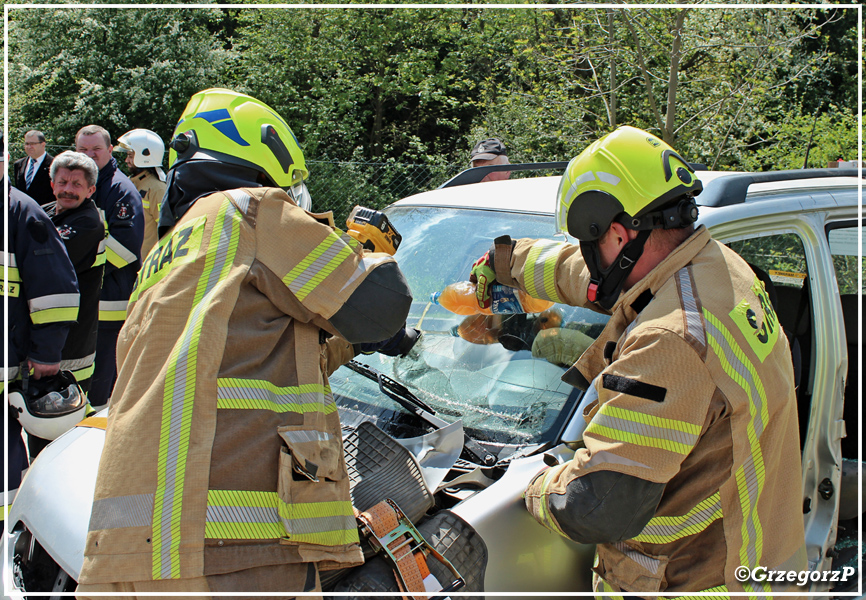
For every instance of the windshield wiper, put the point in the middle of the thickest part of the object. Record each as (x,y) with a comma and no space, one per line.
(400,394)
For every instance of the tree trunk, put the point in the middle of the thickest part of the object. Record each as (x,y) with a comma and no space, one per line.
(673,78)
(610,25)
(378,120)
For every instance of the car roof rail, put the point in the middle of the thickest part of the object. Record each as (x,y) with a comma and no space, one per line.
(476,174)
(731,189)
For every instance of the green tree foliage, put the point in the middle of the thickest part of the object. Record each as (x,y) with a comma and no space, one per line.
(119,68)
(730,87)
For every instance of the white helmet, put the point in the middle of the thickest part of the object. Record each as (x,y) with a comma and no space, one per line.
(148,147)
(50,406)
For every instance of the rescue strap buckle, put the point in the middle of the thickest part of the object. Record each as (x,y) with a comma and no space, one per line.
(391,533)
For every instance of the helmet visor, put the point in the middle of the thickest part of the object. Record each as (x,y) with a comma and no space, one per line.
(58,403)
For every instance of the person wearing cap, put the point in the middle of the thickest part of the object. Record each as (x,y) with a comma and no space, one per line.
(490,152)
(144,153)
(690,465)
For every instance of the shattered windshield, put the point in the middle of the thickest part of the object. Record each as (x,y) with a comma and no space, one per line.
(500,373)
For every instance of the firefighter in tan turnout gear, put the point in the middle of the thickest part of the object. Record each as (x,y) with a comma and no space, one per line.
(223,468)
(692,459)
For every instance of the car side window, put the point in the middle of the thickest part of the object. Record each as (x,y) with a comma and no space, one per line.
(845,243)
(781,257)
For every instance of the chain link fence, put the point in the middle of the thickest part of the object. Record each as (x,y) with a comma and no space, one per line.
(340,185)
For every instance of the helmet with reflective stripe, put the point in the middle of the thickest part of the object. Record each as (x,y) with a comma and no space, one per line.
(226,126)
(631,176)
(147,145)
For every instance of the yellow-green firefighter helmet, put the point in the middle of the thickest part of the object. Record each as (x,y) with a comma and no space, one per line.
(223,125)
(629,175)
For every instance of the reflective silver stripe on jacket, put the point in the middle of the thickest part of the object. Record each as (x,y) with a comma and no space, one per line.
(7,259)
(112,305)
(73,364)
(122,511)
(54,301)
(694,322)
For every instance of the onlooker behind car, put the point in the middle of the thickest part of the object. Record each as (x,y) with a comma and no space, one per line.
(31,173)
(144,153)
(490,152)
(222,404)
(691,465)
(42,294)
(73,178)
(120,204)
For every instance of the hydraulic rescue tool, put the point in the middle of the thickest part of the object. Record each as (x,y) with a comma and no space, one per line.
(373,229)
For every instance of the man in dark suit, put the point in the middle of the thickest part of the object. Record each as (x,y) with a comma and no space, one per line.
(31,173)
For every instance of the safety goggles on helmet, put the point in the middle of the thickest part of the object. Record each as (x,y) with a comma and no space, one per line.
(49,406)
(225,126)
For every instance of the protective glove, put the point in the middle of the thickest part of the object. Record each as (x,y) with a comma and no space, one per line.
(560,346)
(483,276)
(397,345)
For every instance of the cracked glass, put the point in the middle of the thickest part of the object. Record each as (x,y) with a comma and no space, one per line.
(500,374)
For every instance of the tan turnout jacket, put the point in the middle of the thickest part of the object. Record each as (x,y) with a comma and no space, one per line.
(152,190)
(695,390)
(223,449)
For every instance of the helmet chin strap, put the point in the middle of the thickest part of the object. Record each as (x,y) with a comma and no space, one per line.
(605,285)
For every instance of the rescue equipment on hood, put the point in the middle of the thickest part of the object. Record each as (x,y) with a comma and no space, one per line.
(373,229)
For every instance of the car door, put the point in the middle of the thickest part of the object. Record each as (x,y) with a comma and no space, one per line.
(797,250)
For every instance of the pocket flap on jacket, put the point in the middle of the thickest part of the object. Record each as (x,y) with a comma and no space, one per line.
(315,454)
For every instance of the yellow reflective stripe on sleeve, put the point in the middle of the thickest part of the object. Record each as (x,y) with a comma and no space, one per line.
(54,315)
(244,515)
(540,269)
(100,255)
(644,430)
(750,474)
(82,374)
(12,274)
(663,530)
(179,395)
(117,254)
(263,395)
(112,315)
(544,516)
(317,265)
